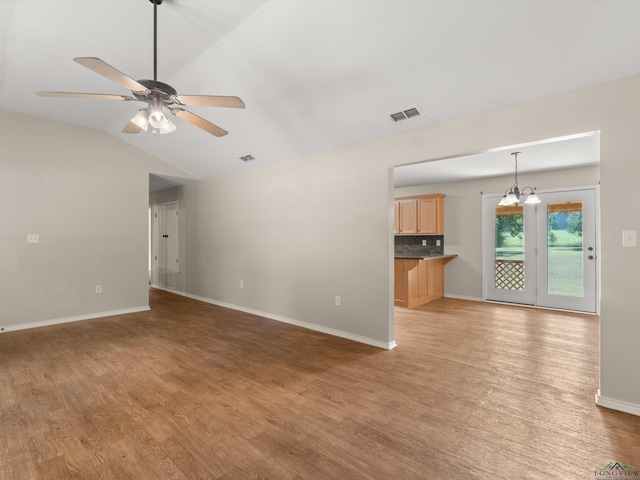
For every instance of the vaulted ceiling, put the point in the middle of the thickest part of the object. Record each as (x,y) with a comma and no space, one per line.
(314,74)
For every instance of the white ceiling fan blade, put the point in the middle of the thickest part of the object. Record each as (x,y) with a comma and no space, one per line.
(199,122)
(208,101)
(100,96)
(113,74)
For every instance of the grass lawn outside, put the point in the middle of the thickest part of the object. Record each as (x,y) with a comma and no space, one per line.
(564,262)
(564,271)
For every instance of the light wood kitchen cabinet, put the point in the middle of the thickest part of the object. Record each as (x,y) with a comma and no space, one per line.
(407,216)
(419,215)
(418,280)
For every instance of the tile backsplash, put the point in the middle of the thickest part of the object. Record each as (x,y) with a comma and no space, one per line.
(411,245)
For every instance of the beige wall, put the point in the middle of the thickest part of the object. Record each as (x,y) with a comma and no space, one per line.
(463,219)
(300,232)
(86,194)
(297,234)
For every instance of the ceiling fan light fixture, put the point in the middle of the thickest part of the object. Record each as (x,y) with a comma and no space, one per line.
(141,119)
(157,95)
(161,123)
(168,127)
(156,117)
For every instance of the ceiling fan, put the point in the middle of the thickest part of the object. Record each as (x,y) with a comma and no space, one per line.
(156,94)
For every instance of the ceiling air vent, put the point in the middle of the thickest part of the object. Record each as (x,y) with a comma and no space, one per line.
(247,158)
(406,114)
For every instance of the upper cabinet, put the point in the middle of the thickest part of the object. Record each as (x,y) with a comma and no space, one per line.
(406,218)
(419,215)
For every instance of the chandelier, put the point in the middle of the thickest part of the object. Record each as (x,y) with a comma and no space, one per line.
(513,195)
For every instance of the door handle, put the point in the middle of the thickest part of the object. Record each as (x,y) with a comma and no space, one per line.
(590,257)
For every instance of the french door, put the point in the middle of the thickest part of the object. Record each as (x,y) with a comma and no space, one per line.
(543,254)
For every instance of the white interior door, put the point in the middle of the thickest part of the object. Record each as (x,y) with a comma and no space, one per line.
(172,218)
(167,237)
(545,254)
(161,243)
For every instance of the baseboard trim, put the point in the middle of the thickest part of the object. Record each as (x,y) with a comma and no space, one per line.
(619,405)
(464,297)
(283,319)
(78,318)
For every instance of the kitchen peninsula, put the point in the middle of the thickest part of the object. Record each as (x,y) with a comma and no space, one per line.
(419,280)
(419,250)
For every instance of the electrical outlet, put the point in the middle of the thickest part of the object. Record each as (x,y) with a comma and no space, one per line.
(337,301)
(33,238)
(241,283)
(424,243)
(438,243)
(98,288)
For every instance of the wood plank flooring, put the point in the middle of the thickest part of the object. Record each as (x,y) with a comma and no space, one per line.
(194,391)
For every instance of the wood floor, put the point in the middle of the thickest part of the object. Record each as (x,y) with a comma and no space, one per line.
(194,391)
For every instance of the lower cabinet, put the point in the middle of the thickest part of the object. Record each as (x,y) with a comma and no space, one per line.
(418,281)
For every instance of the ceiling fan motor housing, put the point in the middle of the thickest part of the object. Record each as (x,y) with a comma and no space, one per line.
(158,90)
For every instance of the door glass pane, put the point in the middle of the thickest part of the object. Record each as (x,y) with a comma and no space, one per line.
(564,249)
(509,271)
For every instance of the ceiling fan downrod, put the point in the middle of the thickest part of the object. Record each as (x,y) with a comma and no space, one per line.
(155,38)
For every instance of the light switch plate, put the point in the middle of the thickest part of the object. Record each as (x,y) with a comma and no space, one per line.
(33,238)
(629,238)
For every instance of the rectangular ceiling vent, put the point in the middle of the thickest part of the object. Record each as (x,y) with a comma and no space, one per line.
(406,114)
(247,158)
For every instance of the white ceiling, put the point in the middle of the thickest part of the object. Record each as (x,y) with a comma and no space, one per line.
(579,150)
(314,75)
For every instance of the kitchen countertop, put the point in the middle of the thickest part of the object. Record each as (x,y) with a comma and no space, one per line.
(428,257)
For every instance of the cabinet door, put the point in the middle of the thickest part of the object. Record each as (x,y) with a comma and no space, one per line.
(435,278)
(408,216)
(427,216)
(401,287)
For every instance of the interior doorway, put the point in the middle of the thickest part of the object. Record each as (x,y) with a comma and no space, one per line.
(544,254)
(166,251)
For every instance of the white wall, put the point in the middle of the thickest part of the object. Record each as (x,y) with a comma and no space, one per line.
(463,219)
(86,194)
(300,232)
